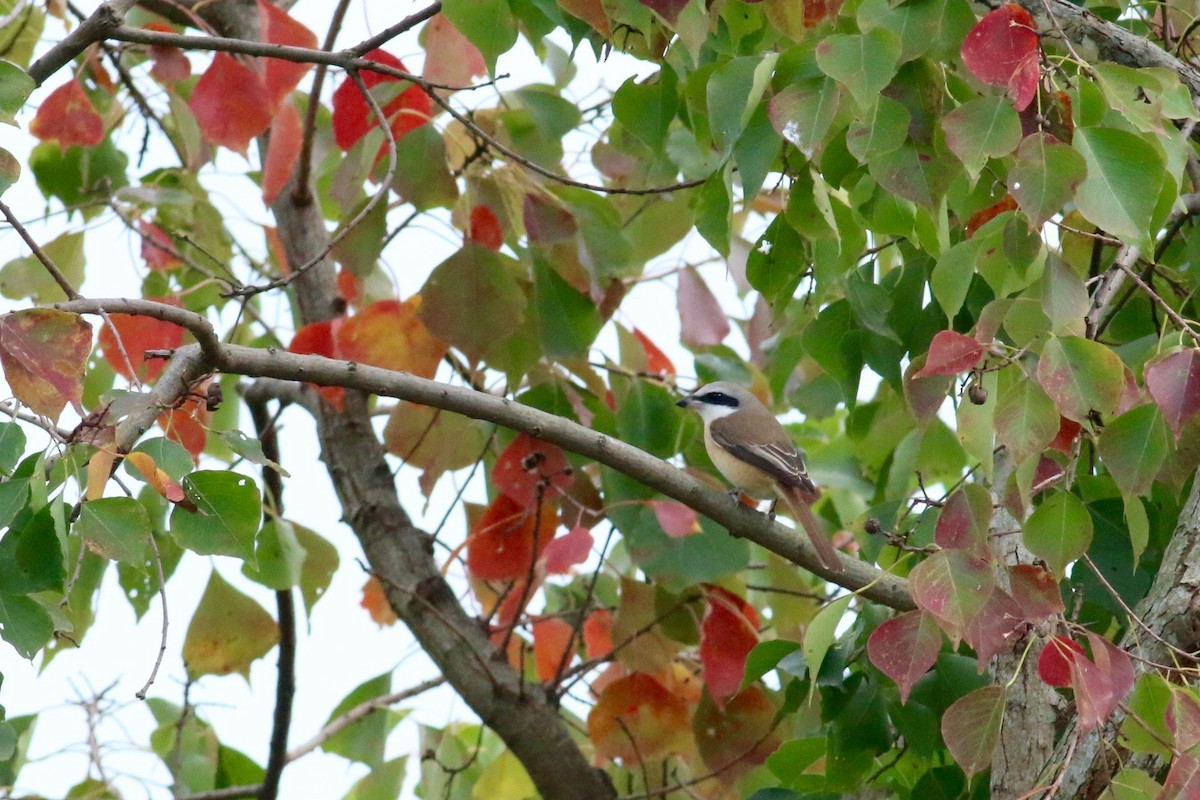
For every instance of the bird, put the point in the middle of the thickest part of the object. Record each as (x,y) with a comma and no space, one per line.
(752,450)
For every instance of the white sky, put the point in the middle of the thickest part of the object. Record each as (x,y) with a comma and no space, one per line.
(341,647)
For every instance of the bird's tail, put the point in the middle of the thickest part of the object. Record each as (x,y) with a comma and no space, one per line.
(808,520)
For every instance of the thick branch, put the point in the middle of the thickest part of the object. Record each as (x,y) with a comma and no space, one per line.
(99,26)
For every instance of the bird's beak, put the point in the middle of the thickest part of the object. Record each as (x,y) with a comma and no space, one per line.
(685,402)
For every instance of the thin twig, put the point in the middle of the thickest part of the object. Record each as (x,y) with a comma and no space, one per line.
(40,254)
(166,623)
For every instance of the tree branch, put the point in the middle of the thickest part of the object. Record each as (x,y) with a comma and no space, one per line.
(99,26)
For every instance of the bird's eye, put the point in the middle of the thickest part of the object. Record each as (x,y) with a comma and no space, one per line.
(720,399)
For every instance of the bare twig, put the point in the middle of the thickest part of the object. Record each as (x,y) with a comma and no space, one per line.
(40,254)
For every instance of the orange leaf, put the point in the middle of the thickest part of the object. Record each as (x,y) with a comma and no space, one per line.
(727,635)
(278,27)
(553,647)
(317,339)
(155,477)
(284,149)
(739,736)
(349,287)
(44,353)
(390,335)
(597,633)
(527,464)
(984,215)
(99,469)
(275,247)
(485,228)
(637,720)
(230,103)
(68,117)
(505,542)
(188,425)
(158,249)
(376,603)
(657,362)
(352,117)
(138,334)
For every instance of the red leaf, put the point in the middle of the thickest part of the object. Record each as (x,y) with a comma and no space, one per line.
(546,221)
(676,519)
(1054,664)
(450,58)
(637,719)
(230,103)
(158,249)
(567,550)
(137,335)
(44,353)
(727,635)
(905,647)
(985,215)
(68,117)
(1035,589)
(597,633)
(954,586)
(950,353)
(1002,50)
(505,542)
(1101,683)
(1068,431)
(278,27)
(964,520)
(667,9)
(389,334)
(170,63)
(1047,473)
(527,464)
(317,339)
(1183,718)
(282,152)
(349,287)
(352,117)
(733,739)
(1174,383)
(553,647)
(991,631)
(1183,779)
(657,362)
(485,228)
(188,424)
(701,319)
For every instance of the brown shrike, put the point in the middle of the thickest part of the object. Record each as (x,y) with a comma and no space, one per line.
(754,453)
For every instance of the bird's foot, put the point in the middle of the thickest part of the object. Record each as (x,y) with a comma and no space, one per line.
(771,510)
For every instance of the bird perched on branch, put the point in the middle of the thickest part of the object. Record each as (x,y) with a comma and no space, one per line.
(754,453)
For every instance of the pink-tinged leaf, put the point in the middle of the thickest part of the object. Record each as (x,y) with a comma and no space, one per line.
(1115,663)
(171,64)
(68,117)
(669,10)
(547,221)
(528,465)
(675,518)
(284,149)
(590,11)
(727,635)
(994,629)
(1183,779)
(1094,696)
(1047,473)
(964,520)
(950,353)
(1002,50)
(905,648)
(657,362)
(230,103)
(1054,664)
(1081,376)
(954,586)
(278,27)
(158,249)
(702,322)
(1183,717)
(971,727)
(1036,592)
(567,550)
(1174,383)
(450,58)
(925,395)
(44,353)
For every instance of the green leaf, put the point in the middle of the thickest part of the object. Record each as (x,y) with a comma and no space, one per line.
(880,131)
(567,321)
(1059,531)
(116,528)
(364,739)
(1045,176)
(821,632)
(1081,376)
(227,516)
(79,174)
(1026,418)
(31,558)
(384,782)
(359,249)
(504,779)
(971,727)
(777,262)
(472,301)
(188,747)
(488,24)
(1134,446)
(1124,176)
(250,449)
(765,656)
(12,447)
(914,175)
(646,108)
(647,417)
(13,496)
(734,91)
(713,211)
(278,557)
(15,88)
(227,632)
(803,114)
(10,170)
(24,624)
(169,455)
(983,128)
(865,64)
(1064,297)
(422,175)
(25,277)
(320,562)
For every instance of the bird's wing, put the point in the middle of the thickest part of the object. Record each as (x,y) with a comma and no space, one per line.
(777,458)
